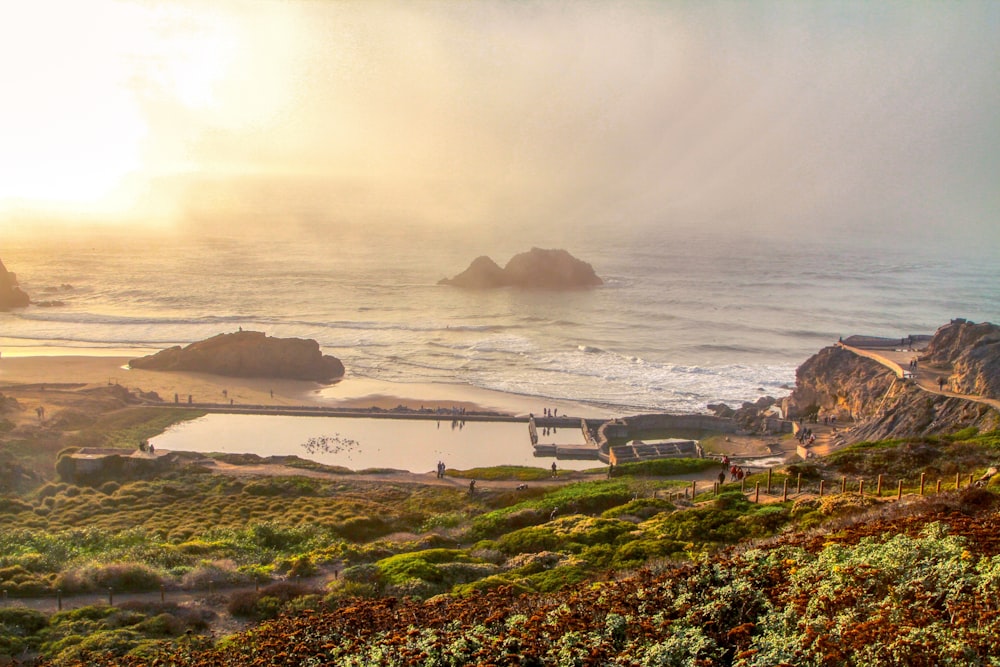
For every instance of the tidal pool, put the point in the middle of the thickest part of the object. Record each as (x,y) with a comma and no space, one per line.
(358,443)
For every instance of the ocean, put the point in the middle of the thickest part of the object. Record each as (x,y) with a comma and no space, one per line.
(682,320)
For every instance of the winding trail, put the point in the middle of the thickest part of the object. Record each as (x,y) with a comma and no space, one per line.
(925,377)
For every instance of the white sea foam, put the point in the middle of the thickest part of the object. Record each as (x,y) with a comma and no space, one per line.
(675,326)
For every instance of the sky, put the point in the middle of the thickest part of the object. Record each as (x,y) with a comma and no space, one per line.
(770,118)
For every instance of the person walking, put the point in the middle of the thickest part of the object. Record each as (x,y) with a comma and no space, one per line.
(554,471)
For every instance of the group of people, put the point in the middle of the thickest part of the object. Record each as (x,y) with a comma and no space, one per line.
(440,470)
(551,412)
(146,446)
(806,436)
(736,473)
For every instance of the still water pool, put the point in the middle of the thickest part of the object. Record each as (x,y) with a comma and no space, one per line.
(359,443)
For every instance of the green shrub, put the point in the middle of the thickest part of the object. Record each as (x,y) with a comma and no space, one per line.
(418,565)
(640,552)
(21,622)
(120,577)
(665,467)
(108,488)
(267,602)
(641,508)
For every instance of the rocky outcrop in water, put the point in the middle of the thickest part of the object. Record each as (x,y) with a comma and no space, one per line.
(537,268)
(248,354)
(971,352)
(11,296)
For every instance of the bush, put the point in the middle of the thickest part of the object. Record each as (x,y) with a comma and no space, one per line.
(217,573)
(120,577)
(21,621)
(108,488)
(267,602)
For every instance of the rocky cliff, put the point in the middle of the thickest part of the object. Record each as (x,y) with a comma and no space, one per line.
(970,353)
(837,383)
(248,354)
(537,268)
(874,404)
(11,296)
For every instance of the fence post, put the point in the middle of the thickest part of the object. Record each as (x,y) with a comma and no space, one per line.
(694,488)
(769,480)
(59,599)
(972,478)
(958,481)
(743,484)
(798,484)
(784,491)
(843,484)
(111,597)
(861,487)
(756,492)
(923,476)
(938,490)
(822,483)
(878,487)
(899,491)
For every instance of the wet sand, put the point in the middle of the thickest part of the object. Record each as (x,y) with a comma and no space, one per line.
(350,392)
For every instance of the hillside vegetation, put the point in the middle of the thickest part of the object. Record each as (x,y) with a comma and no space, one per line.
(602,571)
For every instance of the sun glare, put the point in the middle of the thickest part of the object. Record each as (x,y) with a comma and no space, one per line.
(85,87)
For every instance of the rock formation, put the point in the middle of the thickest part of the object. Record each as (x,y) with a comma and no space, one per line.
(971,352)
(248,354)
(537,268)
(11,296)
(837,382)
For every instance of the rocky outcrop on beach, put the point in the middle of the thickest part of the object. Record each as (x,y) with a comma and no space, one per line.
(537,268)
(248,354)
(11,296)
(971,352)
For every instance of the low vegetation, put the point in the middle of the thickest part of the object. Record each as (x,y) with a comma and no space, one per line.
(620,570)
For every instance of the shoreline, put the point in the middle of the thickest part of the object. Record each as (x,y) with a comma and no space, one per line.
(91,368)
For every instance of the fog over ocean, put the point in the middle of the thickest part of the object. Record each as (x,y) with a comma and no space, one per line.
(682,320)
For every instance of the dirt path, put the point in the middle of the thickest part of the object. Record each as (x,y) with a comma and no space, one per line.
(926,377)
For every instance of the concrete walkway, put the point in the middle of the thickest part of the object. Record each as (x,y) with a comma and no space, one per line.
(925,377)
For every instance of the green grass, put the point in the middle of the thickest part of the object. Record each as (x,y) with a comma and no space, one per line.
(493,473)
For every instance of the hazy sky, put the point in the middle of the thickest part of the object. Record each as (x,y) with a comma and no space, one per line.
(784,117)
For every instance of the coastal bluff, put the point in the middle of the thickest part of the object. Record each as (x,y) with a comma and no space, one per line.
(11,295)
(248,354)
(874,403)
(537,268)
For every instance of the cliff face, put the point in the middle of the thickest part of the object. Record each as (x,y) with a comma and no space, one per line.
(11,296)
(538,268)
(248,354)
(835,382)
(971,352)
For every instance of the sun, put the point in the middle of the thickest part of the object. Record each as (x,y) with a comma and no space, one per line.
(89,88)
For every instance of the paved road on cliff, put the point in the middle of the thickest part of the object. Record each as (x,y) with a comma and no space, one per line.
(926,377)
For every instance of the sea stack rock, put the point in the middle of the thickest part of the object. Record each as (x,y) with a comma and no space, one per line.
(248,354)
(537,268)
(11,296)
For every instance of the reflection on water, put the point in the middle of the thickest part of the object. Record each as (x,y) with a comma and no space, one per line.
(414,445)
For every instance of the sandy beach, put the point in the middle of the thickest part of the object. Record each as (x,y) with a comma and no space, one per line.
(73,368)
